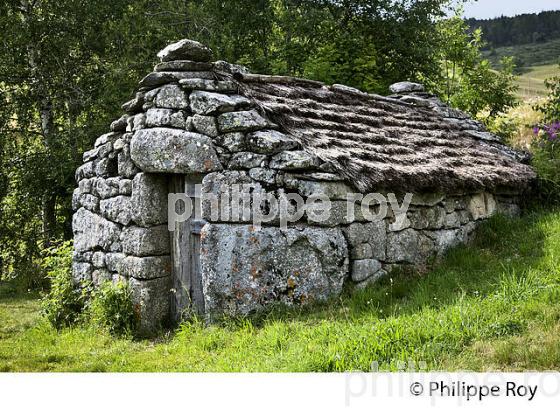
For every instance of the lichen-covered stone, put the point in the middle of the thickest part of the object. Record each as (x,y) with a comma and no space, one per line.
(162,117)
(92,232)
(294,160)
(482,206)
(148,267)
(119,124)
(186,50)
(117,209)
(113,259)
(81,272)
(183,65)
(98,259)
(270,142)
(105,138)
(149,199)
(141,241)
(125,165)
(409,246)
(106,187)
(372,233)
(171,96)
(265,175)
(205,124)
(332,190)
(406,87)
(241,121)
(151,303)
(135,105)
(164,150)
(158,78)
(245,270)
(363,269)
(208,85)
(246,160)
(206,103)
(100,276)
(86,170)
(107,167)
(233,141)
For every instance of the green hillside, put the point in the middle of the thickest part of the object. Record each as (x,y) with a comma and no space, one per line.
(527,55)
(531,81)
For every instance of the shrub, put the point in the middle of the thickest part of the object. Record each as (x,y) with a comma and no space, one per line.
(111,308)
(546,160)
(65,301)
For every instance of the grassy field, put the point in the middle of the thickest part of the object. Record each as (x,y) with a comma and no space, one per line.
(537,62)
(531,82)
(490,306)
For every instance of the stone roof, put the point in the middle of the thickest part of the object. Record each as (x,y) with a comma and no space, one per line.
(409,141)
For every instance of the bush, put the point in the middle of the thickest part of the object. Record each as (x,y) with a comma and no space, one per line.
(65,301)
(546,161)
(111,308)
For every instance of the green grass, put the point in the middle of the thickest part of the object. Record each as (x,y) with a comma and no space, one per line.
(491,306)
(531,82)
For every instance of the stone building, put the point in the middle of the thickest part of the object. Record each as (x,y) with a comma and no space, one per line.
(198,127)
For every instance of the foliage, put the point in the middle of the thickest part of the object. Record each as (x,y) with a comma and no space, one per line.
(65,301)
(111,308)
(490,307)
(468,81)
(551,106)
(521,29)
(546,160)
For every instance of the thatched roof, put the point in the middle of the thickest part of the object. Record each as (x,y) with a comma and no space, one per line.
(412,144)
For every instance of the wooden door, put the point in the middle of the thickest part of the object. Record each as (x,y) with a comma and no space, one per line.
(187,299)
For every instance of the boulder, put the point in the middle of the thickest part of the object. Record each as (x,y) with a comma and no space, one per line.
(186,50)
(163,150)
(245,270)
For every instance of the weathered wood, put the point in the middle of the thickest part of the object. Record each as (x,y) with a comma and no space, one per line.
(185,240)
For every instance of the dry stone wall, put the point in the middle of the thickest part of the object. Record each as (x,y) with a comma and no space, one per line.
(188,118)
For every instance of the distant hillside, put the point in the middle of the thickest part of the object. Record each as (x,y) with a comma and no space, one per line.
(522,29)
(527,55)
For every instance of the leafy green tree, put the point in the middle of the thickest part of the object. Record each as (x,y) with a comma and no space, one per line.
(467,80)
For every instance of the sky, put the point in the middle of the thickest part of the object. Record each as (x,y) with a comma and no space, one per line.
(485,9)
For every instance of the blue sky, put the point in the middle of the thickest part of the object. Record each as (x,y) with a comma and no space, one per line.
(495,8)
